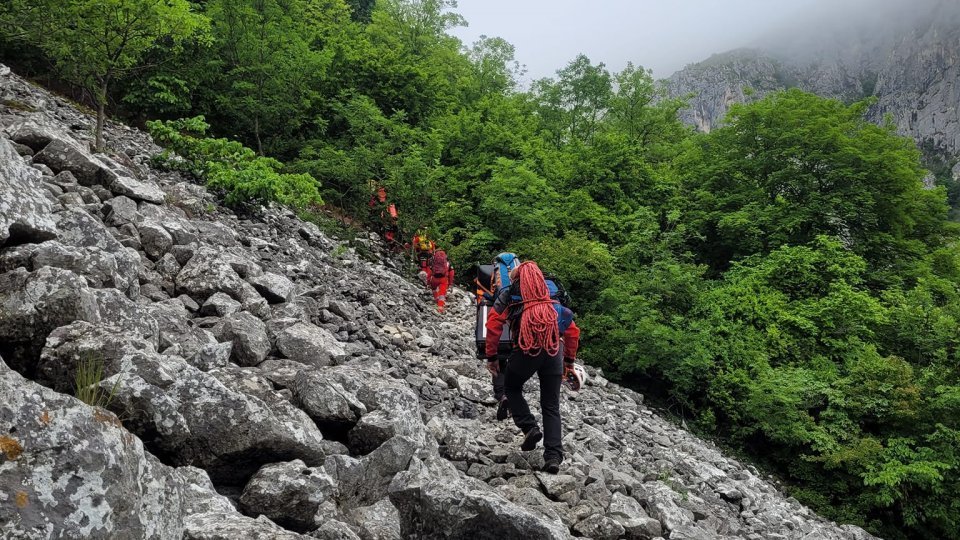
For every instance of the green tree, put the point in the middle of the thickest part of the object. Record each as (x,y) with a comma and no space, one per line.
(273,61)
(575,103)
(518,203)
(94,42)
(793,166)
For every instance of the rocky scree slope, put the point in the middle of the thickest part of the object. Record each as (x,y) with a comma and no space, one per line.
(911,63)
(272,384)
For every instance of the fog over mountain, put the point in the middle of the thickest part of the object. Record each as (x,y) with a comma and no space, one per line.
(666,36)
(906,54)
(855,30)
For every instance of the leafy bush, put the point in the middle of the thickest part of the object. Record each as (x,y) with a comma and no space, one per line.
(244,177)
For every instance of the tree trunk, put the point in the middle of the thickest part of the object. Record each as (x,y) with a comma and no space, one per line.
(101,113)
(256,132)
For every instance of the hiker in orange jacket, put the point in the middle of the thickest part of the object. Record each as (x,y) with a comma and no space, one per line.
(423,249)
(441,277)
(543,332)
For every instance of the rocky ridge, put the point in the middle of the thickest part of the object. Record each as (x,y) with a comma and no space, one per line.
(273,384)
(910,61)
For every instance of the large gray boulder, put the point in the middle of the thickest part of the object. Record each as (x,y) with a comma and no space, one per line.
(126,315)
(248,335)
(185,415)
(61,155)
(155,239)
(380,521)
(230,433)
(120,211)
(333,529)
(206,274)
(79,228)
(394,410)
(220,305)
(177,336)
(32,304)
(274,287)
(376,406)
(662,507)
(290,494)
(25,211)
(637,525)
(216,233)
(327,401)
(234,526)
(309,344)
(69,470)
(72,343)
(35,135)
(101,269)
(366,481)
(136,190)
(434,501)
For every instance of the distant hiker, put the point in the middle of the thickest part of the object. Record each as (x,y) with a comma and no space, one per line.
(389,228)
(503,265)
(545,341)
(423,249)
(441,277)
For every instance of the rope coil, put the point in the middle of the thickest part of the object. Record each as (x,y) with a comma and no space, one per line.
(538,321)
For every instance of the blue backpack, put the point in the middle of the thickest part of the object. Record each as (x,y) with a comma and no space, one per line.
(503,264)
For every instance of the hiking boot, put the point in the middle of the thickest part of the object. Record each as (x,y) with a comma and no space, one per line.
(503,410)
(531,439)
(552,466)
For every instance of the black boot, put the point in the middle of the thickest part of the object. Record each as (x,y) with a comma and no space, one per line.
(503,409)
(531,438)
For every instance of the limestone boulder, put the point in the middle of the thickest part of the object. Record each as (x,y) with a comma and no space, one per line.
(70,470)
(26,214)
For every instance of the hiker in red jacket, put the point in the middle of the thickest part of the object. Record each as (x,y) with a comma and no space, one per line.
(545,342)
(441,277)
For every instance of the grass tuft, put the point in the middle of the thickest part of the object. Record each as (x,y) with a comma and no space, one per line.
(87,382)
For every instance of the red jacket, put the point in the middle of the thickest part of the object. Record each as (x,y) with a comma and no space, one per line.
(497,317)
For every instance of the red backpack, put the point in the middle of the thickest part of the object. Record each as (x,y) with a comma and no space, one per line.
(439,264)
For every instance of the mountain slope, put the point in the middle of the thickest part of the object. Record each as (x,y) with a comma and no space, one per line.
(271,383)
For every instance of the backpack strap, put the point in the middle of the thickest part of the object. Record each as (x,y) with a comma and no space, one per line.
(505,262)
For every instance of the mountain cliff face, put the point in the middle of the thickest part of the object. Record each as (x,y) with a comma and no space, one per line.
(272,384)
(908,60)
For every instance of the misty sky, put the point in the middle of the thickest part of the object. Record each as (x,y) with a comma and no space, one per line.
(663,35)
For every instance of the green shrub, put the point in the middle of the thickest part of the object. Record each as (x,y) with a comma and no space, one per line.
(244,177)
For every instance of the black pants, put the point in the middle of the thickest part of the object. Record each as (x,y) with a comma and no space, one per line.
(550,369)
(499,390)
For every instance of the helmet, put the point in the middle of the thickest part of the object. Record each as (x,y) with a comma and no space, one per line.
(575,378)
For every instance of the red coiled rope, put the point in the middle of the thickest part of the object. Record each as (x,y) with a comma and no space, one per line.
(538,322)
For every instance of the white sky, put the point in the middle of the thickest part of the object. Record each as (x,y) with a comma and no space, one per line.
(663,35)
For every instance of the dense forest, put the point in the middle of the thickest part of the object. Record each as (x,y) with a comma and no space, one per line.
(784,283)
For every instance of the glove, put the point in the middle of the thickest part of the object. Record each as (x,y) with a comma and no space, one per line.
(568,372)
(493,366)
